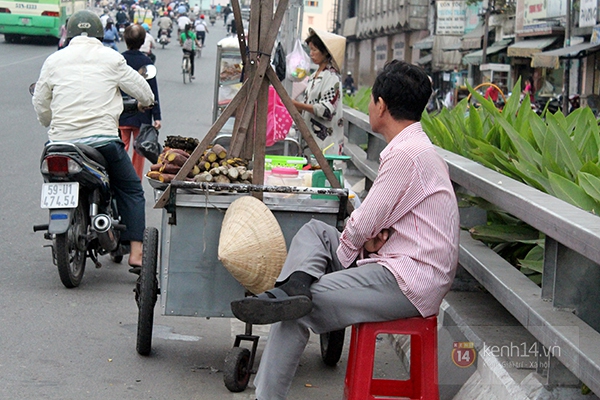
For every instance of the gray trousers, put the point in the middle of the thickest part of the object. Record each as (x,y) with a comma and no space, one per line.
(341,297)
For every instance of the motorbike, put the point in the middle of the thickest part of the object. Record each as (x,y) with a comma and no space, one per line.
(212,18)
(121,29)
(163,37)
(84,220)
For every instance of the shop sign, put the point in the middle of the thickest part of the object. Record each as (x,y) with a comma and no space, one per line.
(451,17)
(588,13)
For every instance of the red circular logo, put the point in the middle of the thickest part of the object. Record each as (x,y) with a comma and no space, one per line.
(463,354)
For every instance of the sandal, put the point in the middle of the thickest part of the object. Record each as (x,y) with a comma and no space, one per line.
(271,306)
(135,269)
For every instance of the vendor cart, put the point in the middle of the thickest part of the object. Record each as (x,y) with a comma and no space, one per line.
(182,265)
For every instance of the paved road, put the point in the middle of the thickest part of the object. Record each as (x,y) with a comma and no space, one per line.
(80,343)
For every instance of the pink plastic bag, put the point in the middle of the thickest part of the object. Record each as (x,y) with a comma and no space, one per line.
(279,120)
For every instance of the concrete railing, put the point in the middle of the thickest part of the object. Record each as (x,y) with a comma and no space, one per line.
(563,314)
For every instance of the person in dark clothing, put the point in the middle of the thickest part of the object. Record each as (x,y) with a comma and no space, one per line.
(129,124)
(226,13)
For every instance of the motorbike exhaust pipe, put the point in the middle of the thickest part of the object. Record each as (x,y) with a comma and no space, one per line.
(103,226)
(101,223)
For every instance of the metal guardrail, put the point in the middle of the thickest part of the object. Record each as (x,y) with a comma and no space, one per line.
(562,314)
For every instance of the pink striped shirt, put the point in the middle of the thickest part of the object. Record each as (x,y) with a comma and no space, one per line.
(413,197)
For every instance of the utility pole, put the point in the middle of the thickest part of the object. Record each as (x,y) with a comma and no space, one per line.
(567,68)
(486,31)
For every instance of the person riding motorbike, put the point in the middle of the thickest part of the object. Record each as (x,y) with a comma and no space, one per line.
(122,18)
(201,29)
(149,44)
(77,96)
(111,35)
(182,21)
(165,22)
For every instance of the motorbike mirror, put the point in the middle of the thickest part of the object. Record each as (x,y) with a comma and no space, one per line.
(148,71)
(32,88)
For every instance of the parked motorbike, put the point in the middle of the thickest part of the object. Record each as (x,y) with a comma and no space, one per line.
(84,221)
(555,103)
(163,37)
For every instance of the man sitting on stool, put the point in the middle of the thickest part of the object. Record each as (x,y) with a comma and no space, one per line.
(396,257)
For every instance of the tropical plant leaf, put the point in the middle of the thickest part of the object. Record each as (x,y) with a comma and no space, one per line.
(525,150)
(475,124)
(564,150)
(586,134)
(497,233)
(591,185)
(513,104)
(538,130)
(532,265)
(549,161)
(532,175)
(568,191)
(591,168)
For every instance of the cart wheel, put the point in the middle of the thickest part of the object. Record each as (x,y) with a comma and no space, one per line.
(236,372)
(146,291)
(332,344)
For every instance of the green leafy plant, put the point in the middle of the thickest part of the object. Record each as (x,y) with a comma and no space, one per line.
(554,153)
(360,100)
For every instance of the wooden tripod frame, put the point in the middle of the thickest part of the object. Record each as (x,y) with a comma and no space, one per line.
(250,103)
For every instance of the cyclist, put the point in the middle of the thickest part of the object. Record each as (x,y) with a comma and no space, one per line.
(201,29)
(188,41)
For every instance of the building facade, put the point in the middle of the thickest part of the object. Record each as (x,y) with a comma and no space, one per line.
(459,43)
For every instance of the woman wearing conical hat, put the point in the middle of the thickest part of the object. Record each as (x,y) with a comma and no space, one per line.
(322,105)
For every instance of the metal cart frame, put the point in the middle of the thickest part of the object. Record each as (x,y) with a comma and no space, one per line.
(190,207)
(182,266)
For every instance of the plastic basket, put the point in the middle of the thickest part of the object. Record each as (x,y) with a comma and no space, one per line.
(284,161)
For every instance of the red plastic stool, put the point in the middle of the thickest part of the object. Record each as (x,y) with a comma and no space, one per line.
(423,381)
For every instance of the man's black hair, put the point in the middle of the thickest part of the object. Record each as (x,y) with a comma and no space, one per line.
(318,43)
(405,88)
(134,36)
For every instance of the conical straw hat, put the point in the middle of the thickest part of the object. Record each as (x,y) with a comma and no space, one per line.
(251,245)
(336,46)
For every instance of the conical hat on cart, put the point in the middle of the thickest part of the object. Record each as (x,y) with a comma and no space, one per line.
(251,245)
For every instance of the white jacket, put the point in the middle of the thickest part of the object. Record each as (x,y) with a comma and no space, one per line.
(77,93)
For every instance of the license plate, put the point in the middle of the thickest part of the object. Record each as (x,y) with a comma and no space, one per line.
(26,21)
(60,195)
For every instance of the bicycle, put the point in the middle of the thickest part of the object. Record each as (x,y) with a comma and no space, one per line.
(199,51)
(186,67)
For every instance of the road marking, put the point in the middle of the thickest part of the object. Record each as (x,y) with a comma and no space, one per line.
(23,61)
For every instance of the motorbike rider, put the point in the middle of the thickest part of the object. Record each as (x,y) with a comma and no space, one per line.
(183,21)
(201,29)
(77,95)
(149,44)
(122,18)
(165,22)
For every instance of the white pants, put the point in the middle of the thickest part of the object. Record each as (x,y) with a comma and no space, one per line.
(341,297)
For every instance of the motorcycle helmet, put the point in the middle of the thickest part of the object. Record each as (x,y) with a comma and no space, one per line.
(201,16)
(146,27)
(85,23)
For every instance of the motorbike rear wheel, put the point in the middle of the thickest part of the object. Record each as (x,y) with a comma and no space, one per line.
(70,249)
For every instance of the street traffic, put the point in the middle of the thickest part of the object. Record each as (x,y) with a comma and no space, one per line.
(60,343)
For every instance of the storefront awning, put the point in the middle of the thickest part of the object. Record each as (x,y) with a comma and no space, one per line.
(527,48)
(425,60)
(472,40)
(424,44)
(474,58)
(551,59)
